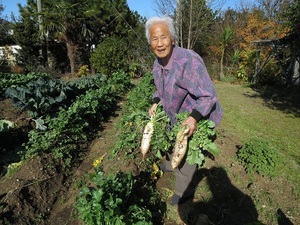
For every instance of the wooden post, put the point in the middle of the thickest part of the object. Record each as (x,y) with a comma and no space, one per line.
(257,63)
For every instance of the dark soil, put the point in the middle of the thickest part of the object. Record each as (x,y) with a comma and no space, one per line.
(41,192)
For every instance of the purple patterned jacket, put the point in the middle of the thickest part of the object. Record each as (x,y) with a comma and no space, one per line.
(184,85)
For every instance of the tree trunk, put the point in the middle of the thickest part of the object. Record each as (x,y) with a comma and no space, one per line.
(222,76)
(190,26)
(72,49)
(179,23)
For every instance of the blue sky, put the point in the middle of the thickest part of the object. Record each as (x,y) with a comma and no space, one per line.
(143,7)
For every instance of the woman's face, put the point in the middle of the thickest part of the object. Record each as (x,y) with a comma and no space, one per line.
(161,42)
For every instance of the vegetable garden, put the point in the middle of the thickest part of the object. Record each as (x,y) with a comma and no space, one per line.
(77,159)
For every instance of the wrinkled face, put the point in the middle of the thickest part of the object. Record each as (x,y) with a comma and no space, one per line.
(161,42)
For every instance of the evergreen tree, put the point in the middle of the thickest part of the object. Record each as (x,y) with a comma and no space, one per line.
(5,30)
(27,35)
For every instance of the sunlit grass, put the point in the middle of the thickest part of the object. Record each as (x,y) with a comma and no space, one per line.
(246,116)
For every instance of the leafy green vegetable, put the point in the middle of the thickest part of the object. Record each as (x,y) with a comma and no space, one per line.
(64,133)
(134,117)
(108,201)
(15,79)
(6,125)
(200,141)
(39,124)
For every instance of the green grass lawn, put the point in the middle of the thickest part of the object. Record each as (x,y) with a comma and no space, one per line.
(248,115)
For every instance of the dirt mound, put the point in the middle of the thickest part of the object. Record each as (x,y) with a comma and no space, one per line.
(40,191)
(28,195)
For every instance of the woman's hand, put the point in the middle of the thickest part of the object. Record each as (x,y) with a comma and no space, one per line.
(192,123)
(152,109)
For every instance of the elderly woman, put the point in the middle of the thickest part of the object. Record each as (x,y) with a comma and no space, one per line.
(182,85)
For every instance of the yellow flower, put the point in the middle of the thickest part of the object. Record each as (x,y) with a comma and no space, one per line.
(155,168)
(156,173)
(98,161)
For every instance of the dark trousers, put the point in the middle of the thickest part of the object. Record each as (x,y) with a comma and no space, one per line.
(185,179)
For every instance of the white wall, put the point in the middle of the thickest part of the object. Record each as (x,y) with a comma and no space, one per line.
(9,53)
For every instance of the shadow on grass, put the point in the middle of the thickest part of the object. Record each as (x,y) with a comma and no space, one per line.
(282,219)
(227,206)
(286,99)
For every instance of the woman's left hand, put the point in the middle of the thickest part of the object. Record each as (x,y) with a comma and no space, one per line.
(192,123)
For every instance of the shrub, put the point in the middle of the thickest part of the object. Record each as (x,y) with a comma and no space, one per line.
(83,71)
(110,56)
(257,156)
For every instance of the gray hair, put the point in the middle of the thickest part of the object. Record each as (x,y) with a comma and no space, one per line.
(165,19)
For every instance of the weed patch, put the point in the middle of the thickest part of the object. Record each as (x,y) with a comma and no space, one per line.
(258,157)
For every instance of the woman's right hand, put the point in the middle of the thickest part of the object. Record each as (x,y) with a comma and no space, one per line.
(152,109)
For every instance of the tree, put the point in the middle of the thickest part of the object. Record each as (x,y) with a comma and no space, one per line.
(84,24)
(65,21)
(26,34)
(256,27)
(273,8)
(5,30)
(197,17)
(292,17)
(78,26)
(225,39)
(5,39)
(192,19)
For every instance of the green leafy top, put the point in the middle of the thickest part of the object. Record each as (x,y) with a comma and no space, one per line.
(200,142)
